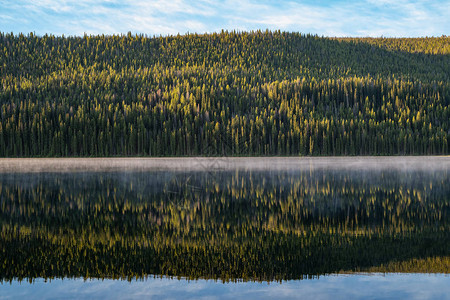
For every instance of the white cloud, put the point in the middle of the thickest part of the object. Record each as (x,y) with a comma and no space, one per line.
(342,18)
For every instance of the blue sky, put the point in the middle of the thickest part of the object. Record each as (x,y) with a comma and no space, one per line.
(400,18)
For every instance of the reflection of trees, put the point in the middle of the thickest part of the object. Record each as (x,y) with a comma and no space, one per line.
(262,226)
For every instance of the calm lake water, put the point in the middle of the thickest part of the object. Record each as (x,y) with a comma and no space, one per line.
(312,232)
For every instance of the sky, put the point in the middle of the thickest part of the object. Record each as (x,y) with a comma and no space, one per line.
(388,18)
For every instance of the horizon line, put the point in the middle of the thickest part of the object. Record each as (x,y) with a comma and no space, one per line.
(222,31)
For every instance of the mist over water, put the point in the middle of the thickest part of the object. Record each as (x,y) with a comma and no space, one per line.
(112,164)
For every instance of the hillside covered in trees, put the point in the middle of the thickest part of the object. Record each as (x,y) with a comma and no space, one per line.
(229,93)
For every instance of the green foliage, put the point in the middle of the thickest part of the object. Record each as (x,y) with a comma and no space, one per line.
(223,225)
(255,93)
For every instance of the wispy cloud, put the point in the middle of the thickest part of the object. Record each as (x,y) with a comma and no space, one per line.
(324,17)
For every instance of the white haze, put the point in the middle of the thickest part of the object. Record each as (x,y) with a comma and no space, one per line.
(398,163)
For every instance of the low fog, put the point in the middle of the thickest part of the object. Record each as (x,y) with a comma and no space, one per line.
(422,163)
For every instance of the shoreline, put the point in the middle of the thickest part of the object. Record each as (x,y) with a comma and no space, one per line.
(115,164)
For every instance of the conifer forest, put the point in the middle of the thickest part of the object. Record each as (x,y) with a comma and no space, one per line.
(259,93)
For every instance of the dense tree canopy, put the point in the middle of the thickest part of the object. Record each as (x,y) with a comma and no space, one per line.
(229,93)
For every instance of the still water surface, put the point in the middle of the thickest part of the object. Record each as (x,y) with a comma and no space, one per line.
(226,232)
(378,286)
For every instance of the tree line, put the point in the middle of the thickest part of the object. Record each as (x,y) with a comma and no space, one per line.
(228,93)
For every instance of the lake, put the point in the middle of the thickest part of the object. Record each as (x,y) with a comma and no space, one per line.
(330,228)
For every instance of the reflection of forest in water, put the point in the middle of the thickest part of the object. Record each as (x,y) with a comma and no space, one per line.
(225,225)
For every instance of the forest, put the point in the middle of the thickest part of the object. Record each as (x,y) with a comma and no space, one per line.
(259,93)
(226,226)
